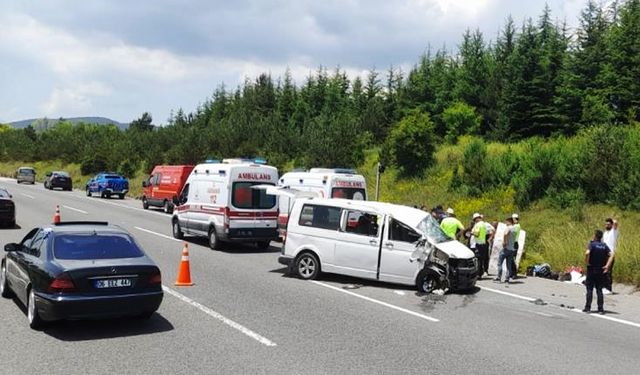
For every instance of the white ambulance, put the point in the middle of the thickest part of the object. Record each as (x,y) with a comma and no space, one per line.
(218,202)
(321,183)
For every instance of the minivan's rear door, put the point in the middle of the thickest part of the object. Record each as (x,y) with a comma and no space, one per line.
(398,244)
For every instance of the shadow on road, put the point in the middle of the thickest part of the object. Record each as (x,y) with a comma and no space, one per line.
(7,227)
(85,330)
(234,248)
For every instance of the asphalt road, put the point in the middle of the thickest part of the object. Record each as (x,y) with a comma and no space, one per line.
(245,315)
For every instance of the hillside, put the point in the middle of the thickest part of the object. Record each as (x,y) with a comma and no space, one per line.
(39,123)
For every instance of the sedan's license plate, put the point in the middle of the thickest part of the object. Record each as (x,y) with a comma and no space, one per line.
(112,283)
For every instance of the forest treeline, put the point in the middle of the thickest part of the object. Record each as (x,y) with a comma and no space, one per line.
(537,82)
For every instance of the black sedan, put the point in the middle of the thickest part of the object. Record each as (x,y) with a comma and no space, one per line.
(80,270)
(58,179)
(7,209)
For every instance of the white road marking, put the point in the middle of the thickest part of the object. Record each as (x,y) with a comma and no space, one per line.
(507,294)
(158,234)
(106,201)
(610,318)
(28,196)
(543,314)
(75,209)
(422,316)
(399,292)
(261,339)
(606,317)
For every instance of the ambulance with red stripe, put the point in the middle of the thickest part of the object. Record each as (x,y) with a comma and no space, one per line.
(323,183)
(218,202)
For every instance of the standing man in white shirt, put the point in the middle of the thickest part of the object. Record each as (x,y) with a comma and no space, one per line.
(610,237)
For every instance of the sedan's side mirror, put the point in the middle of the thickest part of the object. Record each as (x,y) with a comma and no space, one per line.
(12,247)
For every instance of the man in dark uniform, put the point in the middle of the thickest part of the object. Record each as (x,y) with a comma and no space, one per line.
(598,258)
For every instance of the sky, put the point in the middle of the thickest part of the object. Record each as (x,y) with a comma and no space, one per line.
(120,58)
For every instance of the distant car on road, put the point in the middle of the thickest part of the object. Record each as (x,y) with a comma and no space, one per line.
(26,174)
(107,184)
(58,179)
(78,270)
(7,209)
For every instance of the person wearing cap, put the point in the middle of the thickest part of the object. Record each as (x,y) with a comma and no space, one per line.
(508,253)
(479,235)
(598,258)
(610,237)
(450,225)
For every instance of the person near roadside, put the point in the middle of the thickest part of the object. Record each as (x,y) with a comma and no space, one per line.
(598,258)
(508,252)
(516,246)
(451,226)
(480,237)
(610,237)
(491,232)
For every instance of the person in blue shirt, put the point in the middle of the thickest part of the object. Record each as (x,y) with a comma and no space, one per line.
(598,258)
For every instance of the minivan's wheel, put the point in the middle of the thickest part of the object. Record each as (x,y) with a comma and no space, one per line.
(307,266)
(32,311)
(167,207)
(214,242)
(427,282)
(5,291)
(145,203)
(88,192)
(177,231)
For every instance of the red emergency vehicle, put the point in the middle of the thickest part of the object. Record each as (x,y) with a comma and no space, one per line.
(164,185)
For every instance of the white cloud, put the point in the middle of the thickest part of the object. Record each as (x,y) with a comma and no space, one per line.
(75,100)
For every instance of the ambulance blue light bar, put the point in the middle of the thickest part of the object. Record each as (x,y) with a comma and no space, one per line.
(261,161)
(212,161)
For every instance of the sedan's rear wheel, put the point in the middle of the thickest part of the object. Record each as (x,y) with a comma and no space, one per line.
(35,322)
(307,266)
(5,291)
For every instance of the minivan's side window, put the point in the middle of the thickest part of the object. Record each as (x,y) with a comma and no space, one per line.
(360,222)
(155,180)
(320,217)
(401,232)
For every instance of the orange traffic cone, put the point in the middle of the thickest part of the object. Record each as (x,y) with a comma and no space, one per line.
(184,272)
(56,216)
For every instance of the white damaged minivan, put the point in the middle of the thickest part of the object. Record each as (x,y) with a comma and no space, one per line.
(374,240)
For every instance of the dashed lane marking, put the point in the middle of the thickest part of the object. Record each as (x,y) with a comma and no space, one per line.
(605,317)
(28,196)
(158,234)
(394,307)
(261,339)
(75,209)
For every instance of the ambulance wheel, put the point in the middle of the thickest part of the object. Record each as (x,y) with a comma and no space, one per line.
(177,231)
(145,203)
(263,245)
(307,266)
(214,242)
(427,282)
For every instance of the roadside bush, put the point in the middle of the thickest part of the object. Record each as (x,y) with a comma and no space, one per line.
(474,168)
(92,164)
(411,144)
(459,119)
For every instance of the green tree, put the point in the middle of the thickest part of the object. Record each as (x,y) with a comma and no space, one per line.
(411,144)
(460,118)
